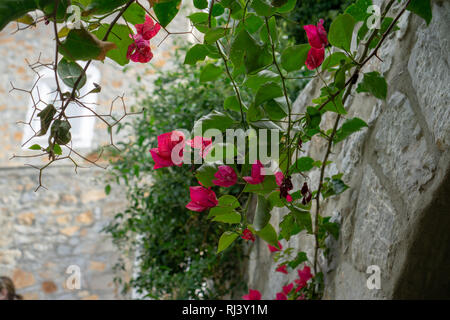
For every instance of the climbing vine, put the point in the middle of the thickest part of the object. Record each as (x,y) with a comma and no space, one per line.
(243,35)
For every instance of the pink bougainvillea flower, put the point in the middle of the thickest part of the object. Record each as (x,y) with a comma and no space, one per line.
(288,288)
(315,58)
(275,249)
(305,273)
(282,269)
(148,29)
(201,199)
(252,295)
(203,144)
(139,50)
(257,173)
(304,276)
(164,156)
(225,177)
(281,296)
(317,36)
(248,235)
(285,186)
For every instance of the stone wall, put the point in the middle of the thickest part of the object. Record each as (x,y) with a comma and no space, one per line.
(397,213)
(43,233)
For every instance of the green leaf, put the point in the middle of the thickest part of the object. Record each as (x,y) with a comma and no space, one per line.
(107,189)
(273,32)
(35,147)
(246,50)
(201,4)
(289,227)
(269,185)
(46,116)
(166,11)
(134,14)
(301,257)
(334,60)
(293,58)
(303,219)
(422,8)
(255,81)
(287,7)
(210,72)
(276,109)
(215,34)
(252,23)
(69,72)
(269,235)
(61,131)
(331,227)
(226,239)
(205,174)
(57,149)
(120,37)
(333,186)
(267,92)
(232,103)
(217,10)
(80,44)
(275,200)
(226,205)
(375,84)
(262,213)
(213,120)
(199,52)
(231,218)
(11,10)
(358,10)
(350,126)
(341,31)
(263,7)
(302,164)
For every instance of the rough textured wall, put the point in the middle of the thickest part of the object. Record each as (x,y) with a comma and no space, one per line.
(43,233)
(397,213)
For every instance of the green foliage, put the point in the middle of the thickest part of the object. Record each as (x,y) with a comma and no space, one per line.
(177,250)
(422,8)
(375,84)
(69,72)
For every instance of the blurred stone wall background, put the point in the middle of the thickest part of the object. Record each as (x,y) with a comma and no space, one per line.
(42,233)
(397,213)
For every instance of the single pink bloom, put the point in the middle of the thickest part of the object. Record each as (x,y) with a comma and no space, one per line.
(203,144)
(275,249)
(139,50)
(282,269)
(301,284)
(225,177)
(148,29)
(315,58)
(248,235)
(305,273)
(257,173)
(201,199)
(279,177)
(281,296)
(317,36)
(163,154)
(252,295)
(288,288)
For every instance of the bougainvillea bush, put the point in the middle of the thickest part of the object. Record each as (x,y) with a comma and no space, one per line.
(172,245)
(257,143)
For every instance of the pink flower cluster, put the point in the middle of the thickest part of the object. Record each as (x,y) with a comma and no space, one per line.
(304,275)
(317,38)
(139,50)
